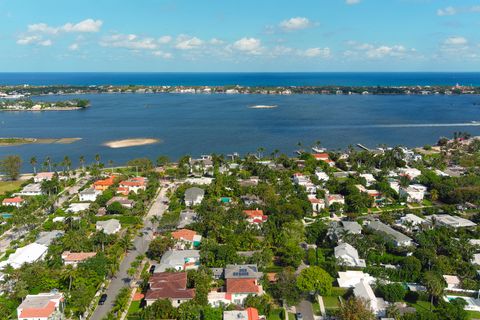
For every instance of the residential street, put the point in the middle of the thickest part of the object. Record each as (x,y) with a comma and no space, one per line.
(141,243)
(305,308)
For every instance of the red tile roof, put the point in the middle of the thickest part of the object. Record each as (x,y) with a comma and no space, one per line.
(44,312)
(13,200)
(252,313)
(171,285)
(184,234)
(242,286)
(105,182)
(77,256)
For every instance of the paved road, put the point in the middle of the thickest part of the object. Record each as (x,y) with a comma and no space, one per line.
(305,308)
(141,242)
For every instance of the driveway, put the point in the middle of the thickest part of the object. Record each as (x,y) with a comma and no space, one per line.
(305,308)
(141,242)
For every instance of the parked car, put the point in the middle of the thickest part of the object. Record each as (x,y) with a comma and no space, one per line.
(103,298)
(152,269)
(299,316)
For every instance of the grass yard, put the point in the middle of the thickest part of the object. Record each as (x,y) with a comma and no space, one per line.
(316,308)
(331,303)
(291,316)
(276,314)
(6,186)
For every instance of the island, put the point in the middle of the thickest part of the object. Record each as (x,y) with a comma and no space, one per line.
(29,105)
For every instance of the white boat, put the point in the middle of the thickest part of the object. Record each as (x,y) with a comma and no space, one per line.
(318,149)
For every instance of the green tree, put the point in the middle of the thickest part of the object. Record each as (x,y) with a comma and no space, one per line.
(355,309)
(315,279)
(286,287)
(162,160)
(10,166)
(392,292)
(33,162)
(435,285)
(159,246)
(160,309)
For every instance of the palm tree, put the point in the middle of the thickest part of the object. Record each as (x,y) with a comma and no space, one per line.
(67,162)
(125,243)
(48,163)
(110,164)
(68,274)
(33,162)
(435,285)
(82,162)
(97,158)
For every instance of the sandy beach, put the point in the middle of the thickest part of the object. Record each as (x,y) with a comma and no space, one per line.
(125,143)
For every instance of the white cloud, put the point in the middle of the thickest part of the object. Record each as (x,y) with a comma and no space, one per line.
(164,39)
(73,47)
(216,41)
(248,45)
(87,25)
(316,52)
(456,41)
(129,41)
(450,11)
(185,42)
(378,51)
(297,23)
(37,40)
(350,2)
(162,54)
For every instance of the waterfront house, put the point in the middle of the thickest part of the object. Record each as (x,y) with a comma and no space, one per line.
(325,158)
(186,238)
(194,196)
(42,306)
(347,255)
(398,238)
(89,195)
(169,285)
(111,226)
(180,260)
(43,176)
(74,258)
(13,202)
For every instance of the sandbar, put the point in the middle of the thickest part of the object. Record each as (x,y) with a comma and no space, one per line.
(7,142)
(125,143)
(263,107)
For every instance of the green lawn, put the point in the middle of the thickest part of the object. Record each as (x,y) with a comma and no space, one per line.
(6,186)
(134,307)
(331,303)
(473,314)
(291,316)
(425,306)
(276,314)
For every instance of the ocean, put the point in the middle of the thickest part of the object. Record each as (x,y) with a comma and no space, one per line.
(198,124)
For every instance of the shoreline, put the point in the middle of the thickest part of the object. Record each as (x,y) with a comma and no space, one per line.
(16,141)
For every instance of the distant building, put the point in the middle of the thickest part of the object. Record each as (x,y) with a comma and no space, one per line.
(334,198)
(413,193)
(132,185)
(43,176)
(32,189)
(347,255)
(186,217)
(74,258)
(398,238)
(42,306)
(111,226)
(255,217)
(194,196)
(28,254)
(180,260)
(104,184)
(125,202)
(13,202)
(186,238)
(78,206)
(450,221)
(89,195)
(46,237)
(247,314)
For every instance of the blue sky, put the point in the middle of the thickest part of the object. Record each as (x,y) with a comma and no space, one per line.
(240,35)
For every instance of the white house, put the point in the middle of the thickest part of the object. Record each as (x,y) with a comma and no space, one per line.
(350,278)
(369,178)
(32,189)
(194,196)
(322,176)
(111,226)
(453,282)
(89,195)
(334,198)
(317,204)
(413,193)
(43,176)
(347,255)
(179,260)
(28,254)
(13,202)
(410,173)
(364,290)
(77,207)
(410,221)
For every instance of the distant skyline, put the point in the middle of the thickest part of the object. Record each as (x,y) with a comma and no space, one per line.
(237,36)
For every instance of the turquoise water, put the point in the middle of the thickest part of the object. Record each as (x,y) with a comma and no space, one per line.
(199,124)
